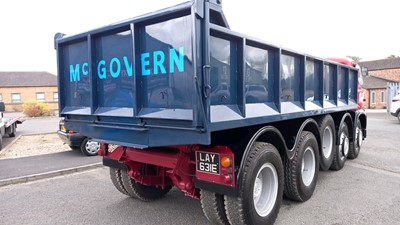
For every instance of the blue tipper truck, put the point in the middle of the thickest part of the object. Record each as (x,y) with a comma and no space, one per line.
(177,99)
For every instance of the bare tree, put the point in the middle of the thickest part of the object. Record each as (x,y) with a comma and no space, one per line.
(355,59)
(392,57)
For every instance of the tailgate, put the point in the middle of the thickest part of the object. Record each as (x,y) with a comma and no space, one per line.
(126,82)
(136,69)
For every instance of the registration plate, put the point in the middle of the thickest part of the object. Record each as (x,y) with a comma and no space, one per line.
(62,128)
(207,162)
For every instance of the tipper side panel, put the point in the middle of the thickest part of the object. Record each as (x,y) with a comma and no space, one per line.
(131,71)
(253,82)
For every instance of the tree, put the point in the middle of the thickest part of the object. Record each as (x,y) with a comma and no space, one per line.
(355,59)
(392,57)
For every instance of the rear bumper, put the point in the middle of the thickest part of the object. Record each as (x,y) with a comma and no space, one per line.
(74,139)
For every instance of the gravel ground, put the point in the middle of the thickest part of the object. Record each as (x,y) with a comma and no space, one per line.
(28,145)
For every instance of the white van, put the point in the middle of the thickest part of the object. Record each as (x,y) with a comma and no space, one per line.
(395,107)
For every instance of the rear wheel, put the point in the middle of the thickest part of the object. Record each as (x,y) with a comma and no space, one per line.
(301,172)
(355,145)
(213,206)
(89,147)
(116,178)
(142,192)
(260,188)
(342,150)
(327,130)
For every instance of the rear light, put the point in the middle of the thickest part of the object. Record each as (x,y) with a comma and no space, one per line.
(71,131)
(226,161)
(62,128)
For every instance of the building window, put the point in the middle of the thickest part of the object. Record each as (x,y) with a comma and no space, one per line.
(1,97)
(55,96)
(15,97)
(40,96)
(373,97)
(382,96)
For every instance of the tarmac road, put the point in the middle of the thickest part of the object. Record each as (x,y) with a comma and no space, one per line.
(354,195)
(382,146)
(46,165)
(365,191)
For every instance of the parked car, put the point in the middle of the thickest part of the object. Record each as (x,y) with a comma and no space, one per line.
(256,93)
(77,141)
(395,107)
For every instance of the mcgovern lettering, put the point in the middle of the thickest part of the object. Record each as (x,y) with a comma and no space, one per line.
(152,63)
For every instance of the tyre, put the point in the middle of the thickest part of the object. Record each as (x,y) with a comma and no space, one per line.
(328,137)
(89,147)
(355,145)
(342,150)
(301,172)
(260,187)
(13,130)
(142,192)
(213,206)
(116,178)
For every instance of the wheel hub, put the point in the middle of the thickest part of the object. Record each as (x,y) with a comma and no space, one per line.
(265,189)
(92,146)
(308,166)
(327,142)
(359,136)
(257,189)
(344,145)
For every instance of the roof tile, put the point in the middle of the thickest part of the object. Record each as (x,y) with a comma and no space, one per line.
(27,79)
(375,82)
(381,64)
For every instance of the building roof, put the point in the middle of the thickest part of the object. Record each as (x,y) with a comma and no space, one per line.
(381,64)
(27,79)
(375,82)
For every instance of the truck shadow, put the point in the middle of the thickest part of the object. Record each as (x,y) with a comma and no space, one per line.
(173,207)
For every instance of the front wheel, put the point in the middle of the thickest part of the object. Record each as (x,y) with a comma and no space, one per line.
(260,188)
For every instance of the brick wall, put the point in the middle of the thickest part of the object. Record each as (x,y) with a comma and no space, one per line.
(378,104)
(28,94)
(391,74)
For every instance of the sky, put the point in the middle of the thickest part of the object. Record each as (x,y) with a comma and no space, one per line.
(368,29)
